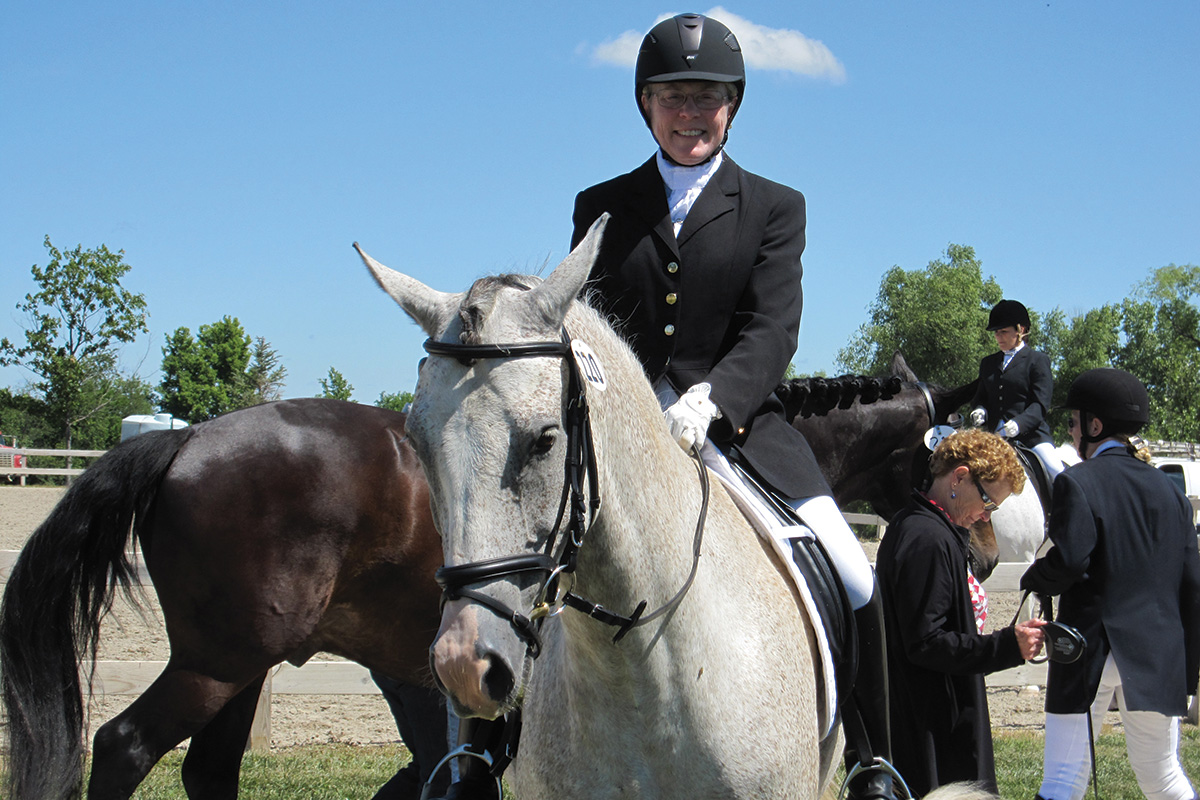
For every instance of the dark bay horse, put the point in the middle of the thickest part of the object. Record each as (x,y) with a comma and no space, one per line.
(270,534)
(868,437)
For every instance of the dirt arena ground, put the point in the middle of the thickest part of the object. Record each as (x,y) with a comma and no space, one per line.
(358,719)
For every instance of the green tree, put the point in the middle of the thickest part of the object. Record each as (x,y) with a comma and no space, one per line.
(336,387)
(78,319)
(206,376)
(265,375)
(395,402)
(936,317)
(1160,323)
(1076,344)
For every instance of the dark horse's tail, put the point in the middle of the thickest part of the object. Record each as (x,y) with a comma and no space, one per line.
(62,584)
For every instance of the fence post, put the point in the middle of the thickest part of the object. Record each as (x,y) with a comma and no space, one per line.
(260,730)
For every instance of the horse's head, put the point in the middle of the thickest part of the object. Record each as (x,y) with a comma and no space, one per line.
(489,426)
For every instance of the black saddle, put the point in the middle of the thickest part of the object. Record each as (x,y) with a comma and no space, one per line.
(1036,470)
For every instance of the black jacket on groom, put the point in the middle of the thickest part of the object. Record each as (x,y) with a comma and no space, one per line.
(1126,566)
(720,304)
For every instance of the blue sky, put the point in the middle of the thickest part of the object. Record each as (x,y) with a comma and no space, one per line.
(235,150)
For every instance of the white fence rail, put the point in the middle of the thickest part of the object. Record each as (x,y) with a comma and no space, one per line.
(7,460)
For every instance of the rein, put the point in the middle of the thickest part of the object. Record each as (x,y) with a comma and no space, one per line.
(929,405)
(578,511)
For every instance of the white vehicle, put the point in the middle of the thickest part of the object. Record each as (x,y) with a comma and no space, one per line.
(1184,470)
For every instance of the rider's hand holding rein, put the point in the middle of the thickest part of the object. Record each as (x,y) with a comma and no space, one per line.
(689,417)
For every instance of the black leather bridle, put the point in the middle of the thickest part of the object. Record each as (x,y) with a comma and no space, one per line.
(578,510)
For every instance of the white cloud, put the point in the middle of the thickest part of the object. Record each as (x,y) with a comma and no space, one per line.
(763,48)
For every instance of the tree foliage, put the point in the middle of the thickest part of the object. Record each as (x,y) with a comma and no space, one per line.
(936,317)
(219,370)
(266,374)
(336,387)
(77,320)
(395,402)
(1160,324)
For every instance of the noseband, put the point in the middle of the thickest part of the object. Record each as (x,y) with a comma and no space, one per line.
(578,511)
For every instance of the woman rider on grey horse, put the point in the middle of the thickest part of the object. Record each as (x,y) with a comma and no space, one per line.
(700,270)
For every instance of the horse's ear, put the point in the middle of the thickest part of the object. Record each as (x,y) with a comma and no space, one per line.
(554,295)
(901,369)
(428,307)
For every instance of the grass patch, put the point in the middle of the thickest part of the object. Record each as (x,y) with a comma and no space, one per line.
(1019,764)
(329,772)
(350,772)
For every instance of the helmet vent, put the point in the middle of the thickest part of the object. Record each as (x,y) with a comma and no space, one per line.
(691,27)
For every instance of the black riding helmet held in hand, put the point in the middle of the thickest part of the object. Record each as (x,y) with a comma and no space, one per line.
(690,47)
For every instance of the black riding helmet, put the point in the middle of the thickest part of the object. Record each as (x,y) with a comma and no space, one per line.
(690,47)
(1008,314)
(1116,398)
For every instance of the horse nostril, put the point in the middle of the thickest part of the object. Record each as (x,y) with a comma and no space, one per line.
(498,681)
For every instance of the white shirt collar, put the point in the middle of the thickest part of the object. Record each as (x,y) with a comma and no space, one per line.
(684,184)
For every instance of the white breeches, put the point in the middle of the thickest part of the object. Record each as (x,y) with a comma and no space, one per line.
(1151,739)
(1050,460)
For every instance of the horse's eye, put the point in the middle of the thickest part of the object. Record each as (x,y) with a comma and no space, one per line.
(545,442)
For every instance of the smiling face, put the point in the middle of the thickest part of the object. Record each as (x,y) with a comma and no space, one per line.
(688,134)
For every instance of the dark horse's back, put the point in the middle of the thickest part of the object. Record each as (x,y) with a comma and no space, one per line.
(270,533)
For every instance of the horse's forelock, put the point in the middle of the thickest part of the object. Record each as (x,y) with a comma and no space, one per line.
(480,300)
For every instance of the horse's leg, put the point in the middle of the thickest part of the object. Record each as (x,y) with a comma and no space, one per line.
(178,704)
(214,758)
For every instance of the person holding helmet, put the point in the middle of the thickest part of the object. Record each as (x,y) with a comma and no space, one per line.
(1125,564)
(1015,386)
(700,270)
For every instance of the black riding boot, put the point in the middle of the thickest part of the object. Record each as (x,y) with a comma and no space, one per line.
(870,700)
(475,780)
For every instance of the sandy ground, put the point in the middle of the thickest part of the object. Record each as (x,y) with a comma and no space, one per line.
(360,719)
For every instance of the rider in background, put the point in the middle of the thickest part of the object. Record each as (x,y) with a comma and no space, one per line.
(1015,386)
(1126,566)
(700,270)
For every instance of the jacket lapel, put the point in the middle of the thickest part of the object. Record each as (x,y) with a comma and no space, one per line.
(718,198)
(649,201)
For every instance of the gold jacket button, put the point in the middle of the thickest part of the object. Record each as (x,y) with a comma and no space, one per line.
(673,267)
(669,330)
(671,298)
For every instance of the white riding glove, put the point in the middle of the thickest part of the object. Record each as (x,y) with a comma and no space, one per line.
(688,419)
(978,417)
(1010,429)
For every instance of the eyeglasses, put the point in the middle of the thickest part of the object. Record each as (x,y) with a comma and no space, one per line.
(988,504)
(705,99)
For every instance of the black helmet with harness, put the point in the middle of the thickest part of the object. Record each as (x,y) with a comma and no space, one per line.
(690,47)
(1113,396)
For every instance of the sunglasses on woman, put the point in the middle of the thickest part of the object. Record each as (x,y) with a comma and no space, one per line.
(988,505)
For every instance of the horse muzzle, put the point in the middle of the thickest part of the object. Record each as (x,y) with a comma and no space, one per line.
(475,660)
